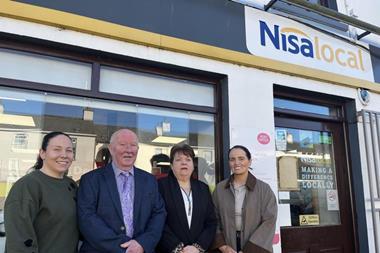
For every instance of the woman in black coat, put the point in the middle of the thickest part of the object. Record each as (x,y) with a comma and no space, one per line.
(191,223)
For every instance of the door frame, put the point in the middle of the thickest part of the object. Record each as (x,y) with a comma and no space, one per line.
(349,125)
(342,183)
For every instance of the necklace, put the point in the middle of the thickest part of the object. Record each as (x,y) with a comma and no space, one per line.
(188,197)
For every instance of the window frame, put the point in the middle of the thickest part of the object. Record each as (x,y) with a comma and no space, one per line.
(100,58)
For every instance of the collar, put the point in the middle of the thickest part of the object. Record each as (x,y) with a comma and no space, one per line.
(118,171)
(250,184)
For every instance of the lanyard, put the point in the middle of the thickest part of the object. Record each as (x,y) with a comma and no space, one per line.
(188,200)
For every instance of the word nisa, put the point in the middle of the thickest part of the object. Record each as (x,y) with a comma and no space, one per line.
(295,41)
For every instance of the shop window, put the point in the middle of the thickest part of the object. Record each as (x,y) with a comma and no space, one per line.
(163,106)
(45,112)
(138,84)
(37,68)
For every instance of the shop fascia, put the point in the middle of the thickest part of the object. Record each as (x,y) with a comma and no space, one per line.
(282,39)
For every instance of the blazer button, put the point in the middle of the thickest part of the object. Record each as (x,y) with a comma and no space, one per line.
(122,228)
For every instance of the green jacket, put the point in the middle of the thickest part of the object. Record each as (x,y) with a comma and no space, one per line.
(40,215)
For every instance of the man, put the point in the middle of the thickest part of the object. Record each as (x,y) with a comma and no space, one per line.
(119,207)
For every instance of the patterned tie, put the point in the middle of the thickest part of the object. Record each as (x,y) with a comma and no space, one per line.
(127,201)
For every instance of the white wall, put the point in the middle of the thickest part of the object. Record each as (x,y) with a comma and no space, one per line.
(250,91)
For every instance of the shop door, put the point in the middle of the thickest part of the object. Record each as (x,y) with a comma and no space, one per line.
(314,183)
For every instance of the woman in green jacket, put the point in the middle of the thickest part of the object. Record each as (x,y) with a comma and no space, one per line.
(40,210)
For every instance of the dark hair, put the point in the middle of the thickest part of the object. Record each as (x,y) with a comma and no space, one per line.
(246,151)
(159,158)
(181,148)
(45,143)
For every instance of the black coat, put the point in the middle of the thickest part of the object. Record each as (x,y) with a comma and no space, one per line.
(203,222)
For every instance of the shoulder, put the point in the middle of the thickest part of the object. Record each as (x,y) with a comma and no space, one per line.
(95,173)
(143,173)
(28,185)
(71,182)
(163,182)
(222,185)
(144,176)
(29,179)
(262,185)
(264,189)
(201,185)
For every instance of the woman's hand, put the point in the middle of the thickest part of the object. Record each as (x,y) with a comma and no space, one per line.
(190,249)
(226,249)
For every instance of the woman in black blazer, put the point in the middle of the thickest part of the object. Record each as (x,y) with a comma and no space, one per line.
(190,223)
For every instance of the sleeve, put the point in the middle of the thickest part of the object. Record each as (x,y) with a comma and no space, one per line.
(169,241)
(150,238)
(20,211)
(205,239)
(261,240)
(219,239)
(93,228)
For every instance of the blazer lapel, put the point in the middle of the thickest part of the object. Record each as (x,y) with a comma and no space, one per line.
(109,176)
(179,205)
(139,189)
(197,202)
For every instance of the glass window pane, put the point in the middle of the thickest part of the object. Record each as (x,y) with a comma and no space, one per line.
(44,69)
(27,116)
(305,107)
(119,81)
(307,176)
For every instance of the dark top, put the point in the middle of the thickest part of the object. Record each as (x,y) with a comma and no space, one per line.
(203,221)
(40,215)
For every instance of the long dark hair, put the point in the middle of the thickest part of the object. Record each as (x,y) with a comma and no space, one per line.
(45,142)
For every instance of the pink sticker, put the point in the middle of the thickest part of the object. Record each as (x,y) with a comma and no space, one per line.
(263,138)
(276,239)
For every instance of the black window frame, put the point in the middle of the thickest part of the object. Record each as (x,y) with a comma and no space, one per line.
(100,58)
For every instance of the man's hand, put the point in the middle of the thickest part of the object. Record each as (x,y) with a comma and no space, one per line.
(190,249)
(132,246)
(226,249)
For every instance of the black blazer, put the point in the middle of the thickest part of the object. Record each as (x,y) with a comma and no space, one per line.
(203,221)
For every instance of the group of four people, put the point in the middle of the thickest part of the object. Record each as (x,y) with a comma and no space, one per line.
(120,208)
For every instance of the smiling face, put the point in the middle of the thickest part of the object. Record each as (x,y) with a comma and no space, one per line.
(182,166)
(124,147)
(58,156)
(239,162)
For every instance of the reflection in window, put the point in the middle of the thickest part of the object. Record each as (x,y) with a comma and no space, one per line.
(20,141)
(158,130)
(307,176)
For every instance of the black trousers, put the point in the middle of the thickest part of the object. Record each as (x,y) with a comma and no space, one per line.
(238,241)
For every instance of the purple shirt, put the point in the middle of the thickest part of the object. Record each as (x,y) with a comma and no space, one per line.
(119,182)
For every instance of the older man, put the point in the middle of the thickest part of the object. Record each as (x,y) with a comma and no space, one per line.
(119,206)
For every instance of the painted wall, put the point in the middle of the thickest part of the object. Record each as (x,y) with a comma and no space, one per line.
(250,93)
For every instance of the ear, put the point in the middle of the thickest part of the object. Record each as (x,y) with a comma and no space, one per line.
(110,149)
(42,154)
(250,162)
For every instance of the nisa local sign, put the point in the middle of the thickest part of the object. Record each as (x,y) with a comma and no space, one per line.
(282,39)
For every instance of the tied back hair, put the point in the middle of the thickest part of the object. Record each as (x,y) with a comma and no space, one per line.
(45,142)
